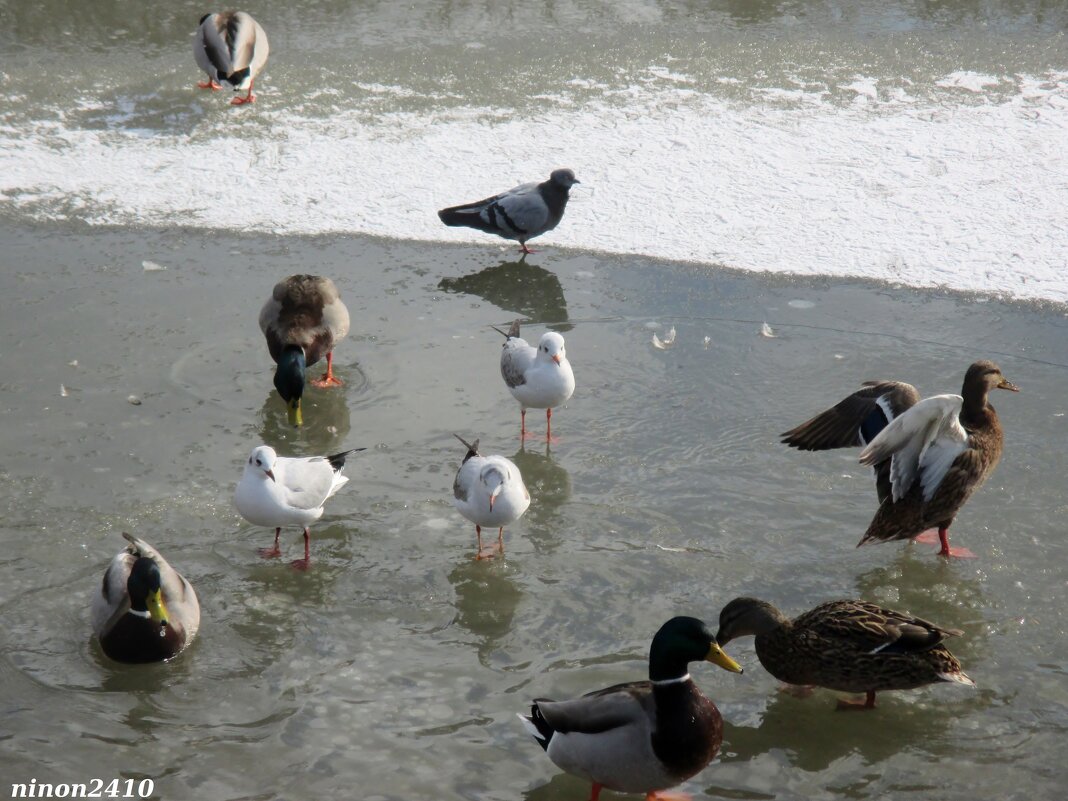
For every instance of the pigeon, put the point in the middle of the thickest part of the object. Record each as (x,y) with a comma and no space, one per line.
(280,491)
(231,48)
(539,378)
(521,213)
(489,491)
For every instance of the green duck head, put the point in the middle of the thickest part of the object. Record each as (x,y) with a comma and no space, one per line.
(145,590)
(289,381)
(679,642)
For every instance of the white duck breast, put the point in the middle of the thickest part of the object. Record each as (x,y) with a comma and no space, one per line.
(924,441)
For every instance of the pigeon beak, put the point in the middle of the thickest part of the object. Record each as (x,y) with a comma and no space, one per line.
(556,358)
(270,475)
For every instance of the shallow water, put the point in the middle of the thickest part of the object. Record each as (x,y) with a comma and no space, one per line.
(393,669)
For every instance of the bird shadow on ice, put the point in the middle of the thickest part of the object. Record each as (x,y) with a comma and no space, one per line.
(516,286)
(486,601)
(549,485)
(812,734)
(562,787)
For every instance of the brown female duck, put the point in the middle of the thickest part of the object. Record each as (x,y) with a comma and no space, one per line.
(929,455)
(849,646)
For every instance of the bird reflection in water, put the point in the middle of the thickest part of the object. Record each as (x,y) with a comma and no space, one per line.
(526,289)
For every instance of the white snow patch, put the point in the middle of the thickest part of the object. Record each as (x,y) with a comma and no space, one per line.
(968,197)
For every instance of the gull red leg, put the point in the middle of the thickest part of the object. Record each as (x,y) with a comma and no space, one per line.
(500,540)
(302,564)
(268,553)
(211,84)
(595,792)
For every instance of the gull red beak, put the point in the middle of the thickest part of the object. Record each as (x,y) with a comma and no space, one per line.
(556,358)
(270,475)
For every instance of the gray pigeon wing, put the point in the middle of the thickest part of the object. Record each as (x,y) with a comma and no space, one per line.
(521,211)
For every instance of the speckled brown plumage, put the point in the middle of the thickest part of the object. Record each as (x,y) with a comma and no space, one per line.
(848,645)
(911,515)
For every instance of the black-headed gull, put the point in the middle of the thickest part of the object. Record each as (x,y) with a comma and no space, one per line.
(232,49)
(521,213)
(489,491)
(279,491)
(302,321)
(539,378)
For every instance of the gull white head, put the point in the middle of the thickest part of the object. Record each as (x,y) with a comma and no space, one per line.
(551,347)
(261,462)
(493,479)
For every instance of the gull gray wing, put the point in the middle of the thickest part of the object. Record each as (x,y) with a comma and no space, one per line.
(516,358)
(307,482)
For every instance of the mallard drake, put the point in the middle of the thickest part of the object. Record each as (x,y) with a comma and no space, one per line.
(488,491)
(928,455)
(303,321)
(539,378)
(145,611)
(521,213)
(849,646)
(279,491)
(232,49)
(641,736)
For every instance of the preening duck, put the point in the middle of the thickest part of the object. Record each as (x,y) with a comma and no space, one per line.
(232,49)
(929,455)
